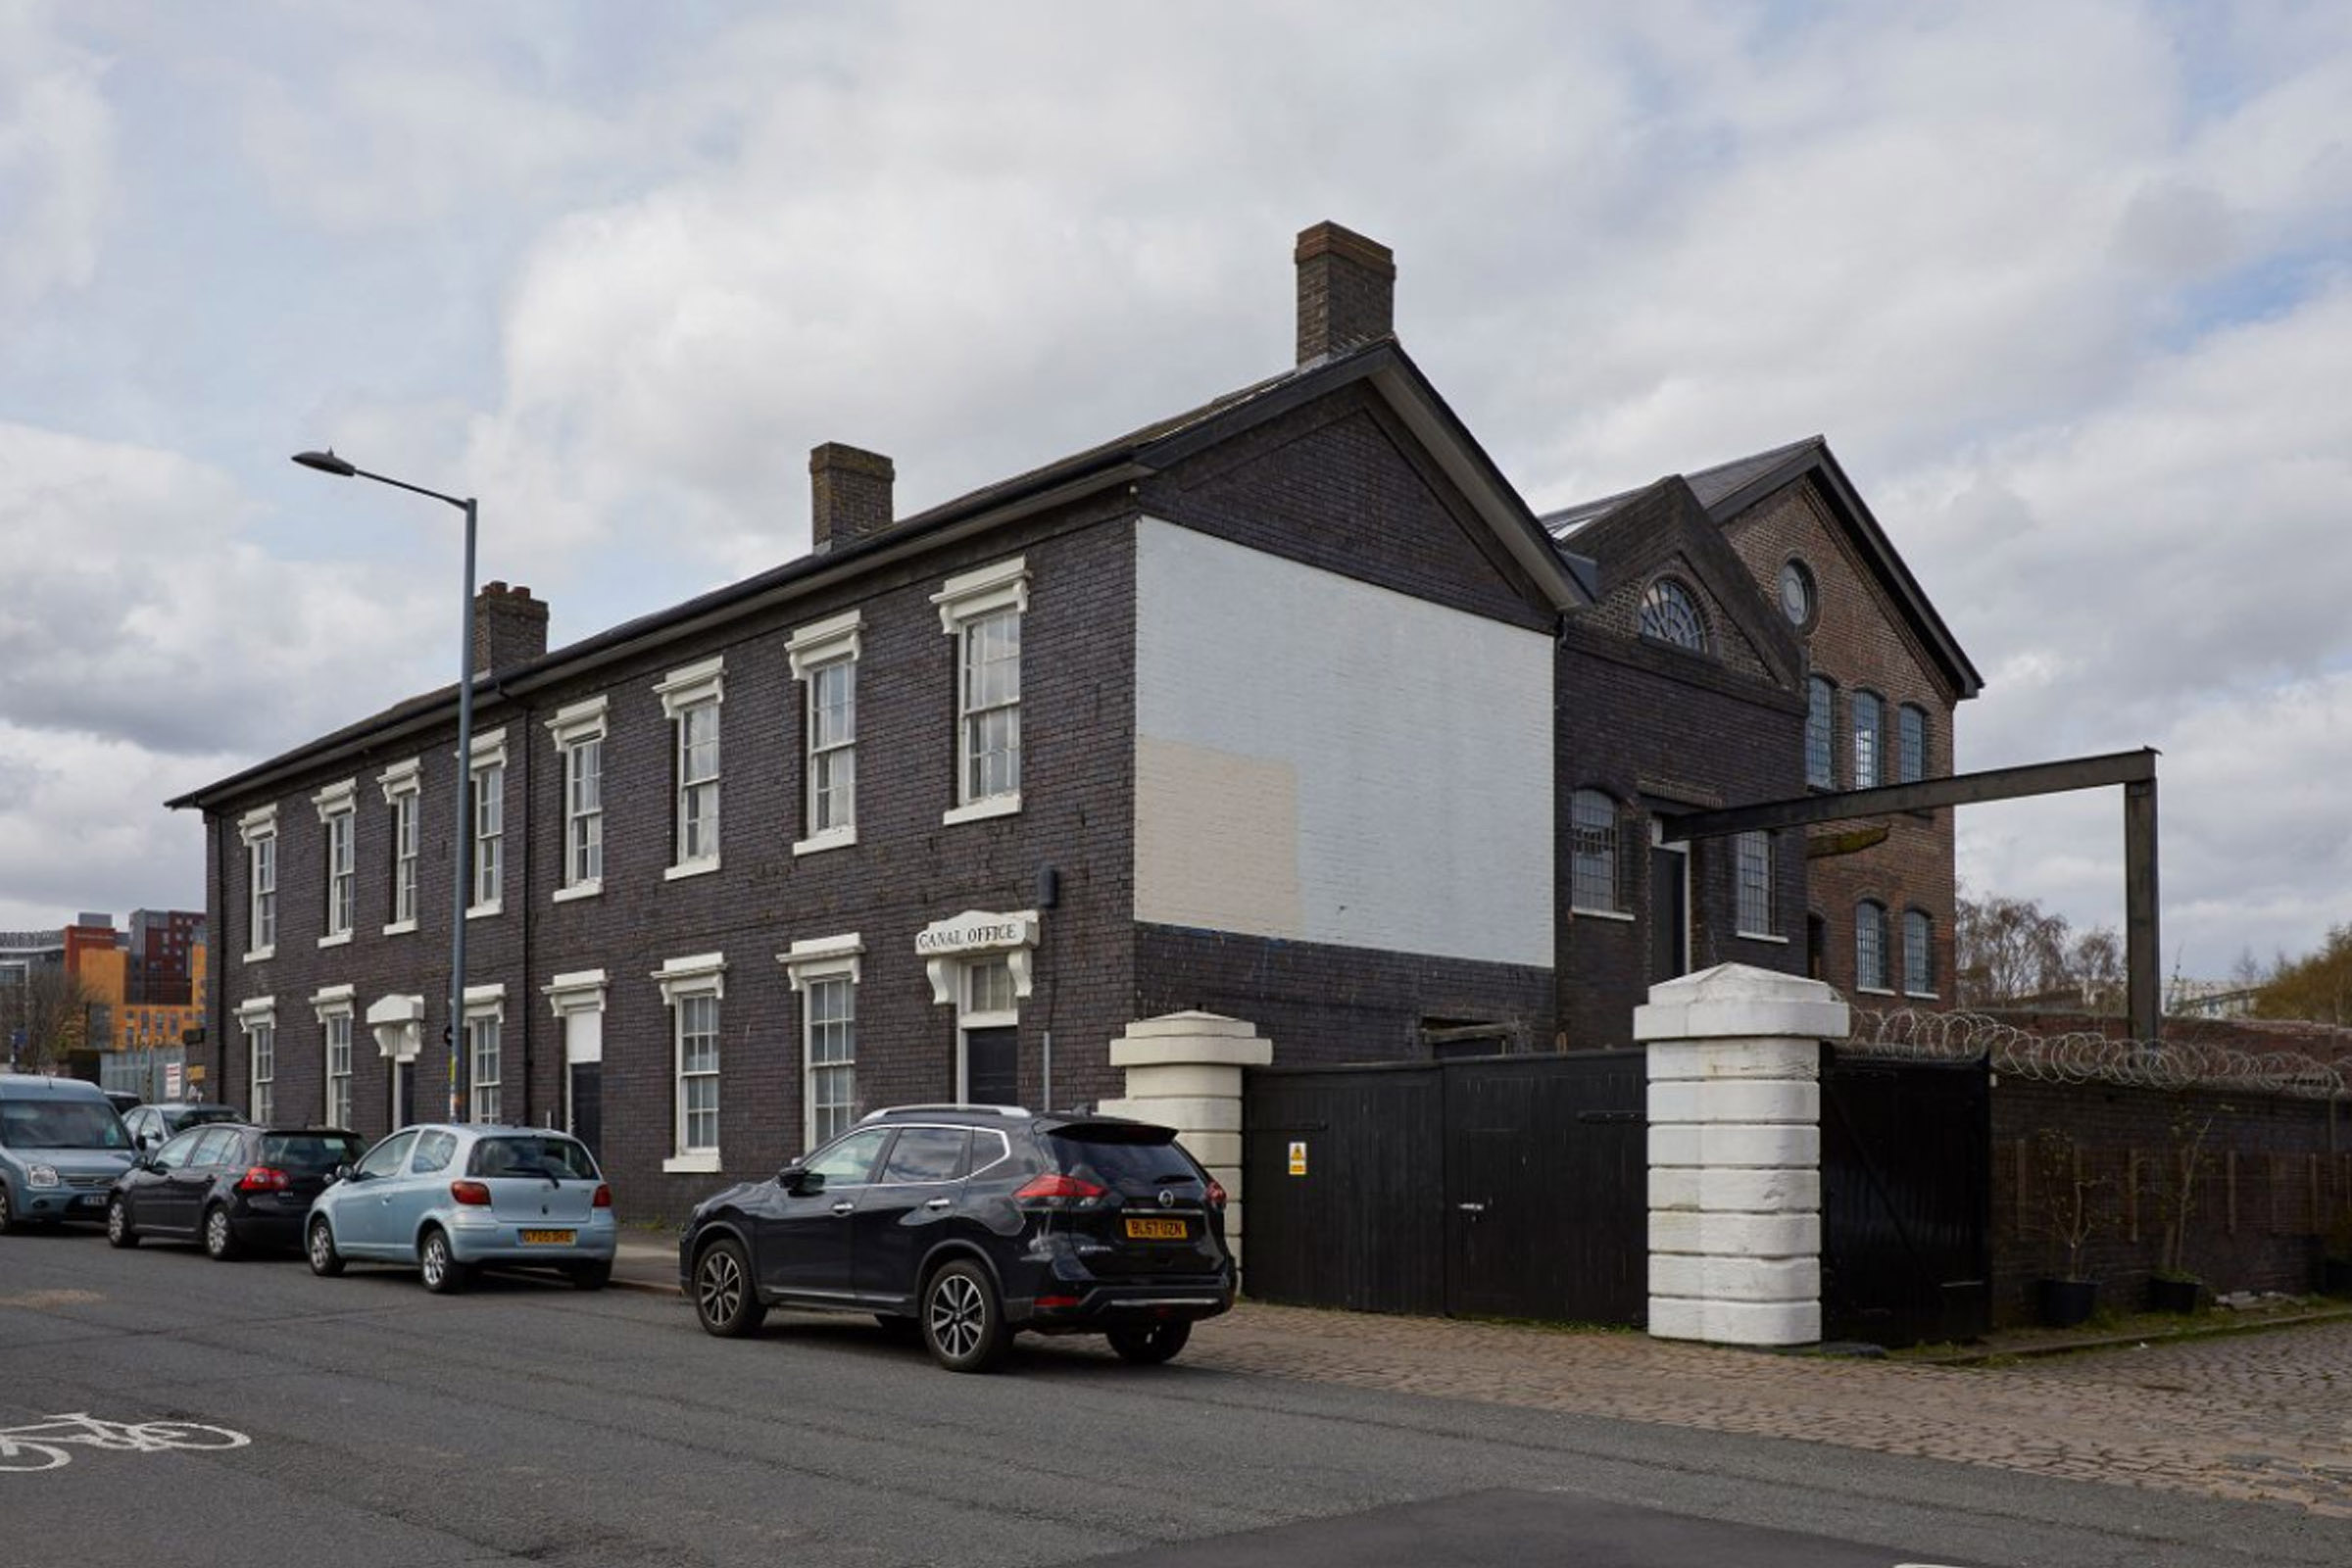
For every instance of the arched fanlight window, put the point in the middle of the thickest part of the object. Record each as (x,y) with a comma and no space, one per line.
(1669,614)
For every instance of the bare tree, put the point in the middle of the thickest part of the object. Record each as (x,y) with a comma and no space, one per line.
(2013,950)
(51,1011)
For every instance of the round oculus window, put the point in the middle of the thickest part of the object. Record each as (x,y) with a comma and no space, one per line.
(1797,593)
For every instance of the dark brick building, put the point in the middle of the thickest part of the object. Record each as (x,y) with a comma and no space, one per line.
(1277,709)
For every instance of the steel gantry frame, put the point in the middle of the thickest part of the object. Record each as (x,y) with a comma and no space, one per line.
(2135,771)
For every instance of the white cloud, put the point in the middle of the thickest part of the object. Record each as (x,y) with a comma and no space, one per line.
(57,149)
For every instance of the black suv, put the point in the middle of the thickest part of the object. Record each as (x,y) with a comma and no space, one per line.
(967,1224)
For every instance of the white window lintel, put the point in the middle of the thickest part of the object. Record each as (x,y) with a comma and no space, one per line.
(576,723)
(823,642)
(403,777)
(257,1010)
(336,799)
(258,824)
(334,1002)
(692,685)
(704,974)
(580,991)
(969,595)
(822,959)
(486,1001)
(490,749)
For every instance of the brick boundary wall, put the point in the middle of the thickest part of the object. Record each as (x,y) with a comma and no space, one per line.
(2276,1173)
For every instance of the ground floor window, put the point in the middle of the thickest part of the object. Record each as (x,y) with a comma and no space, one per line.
(261,1038)
(485,1052)
(698,1074)
(338,1069)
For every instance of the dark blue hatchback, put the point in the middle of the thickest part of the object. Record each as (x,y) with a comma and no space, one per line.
(970,1224)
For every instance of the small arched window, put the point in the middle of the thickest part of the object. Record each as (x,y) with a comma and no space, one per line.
(1910,744)
(1870,946)
(1821,734)
(1596,850)
(1919,953)
(1670,614)
(1869,745)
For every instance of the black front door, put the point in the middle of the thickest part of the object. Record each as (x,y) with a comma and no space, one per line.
(991,1066)
(1669,917)
(588,1106)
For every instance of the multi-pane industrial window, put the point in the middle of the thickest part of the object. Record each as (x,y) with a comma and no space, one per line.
(403,858)
(1669,614)
(1910,744)
(698,1074)
(1867,747)
(992,707)
(584,813)
(1594,883)
(261,865)
(1870,946)
(340,877)
(1755,884)
(261,1039)
(1821,734)
(833,748)
(484,1047)
(489,833)
(698,783)
(338,1069)
(831,1010)
(1919,953)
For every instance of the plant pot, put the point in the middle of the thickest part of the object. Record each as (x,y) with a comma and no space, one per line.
(2066,1303)
(2335,1276)
(2176,1295)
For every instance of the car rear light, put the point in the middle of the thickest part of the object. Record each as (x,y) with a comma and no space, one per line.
(473,1193)
(263,1179)
(1217,1192)
(604,1195)
(1050,1301)
(1053,1189)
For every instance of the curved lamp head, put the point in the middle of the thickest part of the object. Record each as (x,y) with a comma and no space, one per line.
(325,462)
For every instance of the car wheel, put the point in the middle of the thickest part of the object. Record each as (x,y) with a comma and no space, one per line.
(1152,1345)
(724,1299)
(118,1231)
(219,1237)
(443,1274)
(319,1248)
(590,1276)
(8,1212)
(963,1322)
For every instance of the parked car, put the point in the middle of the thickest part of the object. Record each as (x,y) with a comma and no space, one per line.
(152,1125)
(61,1147)
(446,1199)
(227,1185)
(123,1099)
(969,1224)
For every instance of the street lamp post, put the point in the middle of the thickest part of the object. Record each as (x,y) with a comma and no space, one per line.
(463,870)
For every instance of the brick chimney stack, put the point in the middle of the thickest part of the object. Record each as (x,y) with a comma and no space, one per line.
(1346,291)
(510,627)
(848,495)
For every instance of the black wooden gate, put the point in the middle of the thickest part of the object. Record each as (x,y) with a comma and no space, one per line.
(1907,1196)
(1495,1187)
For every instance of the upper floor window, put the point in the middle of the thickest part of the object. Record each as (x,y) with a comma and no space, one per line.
(1821,734)
(258,830)
(579,732)
(1798,599)
(1910,744)
(1754,854)
(489,774)
(338,813)
(1670,614)
(1870,946)
(1596,846)
(825,657)
(402,786)
(690,697)
(982,610)
(1919,953)
(1868,745)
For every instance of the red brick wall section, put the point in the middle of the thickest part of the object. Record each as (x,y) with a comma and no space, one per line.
(1858,639)
(2275,1173)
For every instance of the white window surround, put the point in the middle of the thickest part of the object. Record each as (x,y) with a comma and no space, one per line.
(821,642)
(574,725)
(403,780)
(821,957)
(701,867)
(1625,916)
(970,595)
(490,749)
(254,828)
(256,1009)
(702,975)
(978,811)
(575,722)
(486,1001)
(945,944)
(581,990)
(489,753)
(341,796)
(328,1001)
(691,685)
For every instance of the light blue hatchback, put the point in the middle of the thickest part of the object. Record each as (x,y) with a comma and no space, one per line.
(446,1199)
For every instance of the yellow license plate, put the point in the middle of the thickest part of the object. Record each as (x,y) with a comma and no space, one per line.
(1156,1230)
(548,1238)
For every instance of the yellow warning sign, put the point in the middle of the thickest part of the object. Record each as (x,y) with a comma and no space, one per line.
(1298,1158)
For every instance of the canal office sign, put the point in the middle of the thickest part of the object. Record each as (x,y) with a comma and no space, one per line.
(945,944)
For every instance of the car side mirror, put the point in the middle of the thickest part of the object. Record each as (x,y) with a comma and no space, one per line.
(344,1173)
(799,1181)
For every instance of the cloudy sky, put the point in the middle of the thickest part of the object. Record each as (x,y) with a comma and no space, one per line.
(2065,285)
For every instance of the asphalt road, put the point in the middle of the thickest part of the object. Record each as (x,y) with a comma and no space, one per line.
(528,1422)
